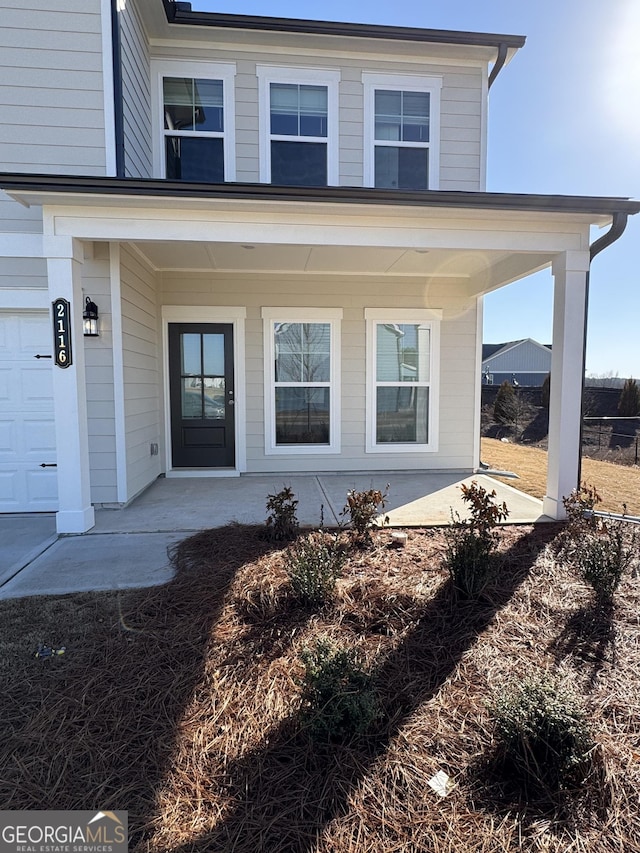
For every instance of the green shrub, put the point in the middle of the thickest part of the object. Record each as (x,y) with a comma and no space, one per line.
(313,564)
(338,697)
(362,509)
(282,521)
(599,549)
(470,545)
(542,735)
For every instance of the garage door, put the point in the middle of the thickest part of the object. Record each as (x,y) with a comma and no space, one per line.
(27,433)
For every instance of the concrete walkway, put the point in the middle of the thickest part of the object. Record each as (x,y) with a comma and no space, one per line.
(128,547)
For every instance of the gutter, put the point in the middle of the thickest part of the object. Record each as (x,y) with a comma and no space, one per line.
(620,219)
(162,188)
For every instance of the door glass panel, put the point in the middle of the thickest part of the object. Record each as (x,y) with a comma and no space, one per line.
(192,397)
(213,355)
(214,398)
(191,355)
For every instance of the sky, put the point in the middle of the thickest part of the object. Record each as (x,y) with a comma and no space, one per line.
(564,118)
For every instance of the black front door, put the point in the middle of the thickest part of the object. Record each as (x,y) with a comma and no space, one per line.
(202,395)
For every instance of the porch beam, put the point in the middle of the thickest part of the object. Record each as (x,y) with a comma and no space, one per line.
(75,512)
(567,364)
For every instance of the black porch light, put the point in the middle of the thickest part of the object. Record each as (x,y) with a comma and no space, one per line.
(90,319)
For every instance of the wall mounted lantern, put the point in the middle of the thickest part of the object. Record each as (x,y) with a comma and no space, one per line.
(90,319)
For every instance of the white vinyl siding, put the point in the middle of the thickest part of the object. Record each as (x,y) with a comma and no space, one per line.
(98,353)
(136,87)
(141,366)
(51,89)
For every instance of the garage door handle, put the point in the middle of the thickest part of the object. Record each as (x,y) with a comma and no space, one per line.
(43,356)
(48,465)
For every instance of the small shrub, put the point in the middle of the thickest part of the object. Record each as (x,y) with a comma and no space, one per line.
(543,737)
(505,408)
(599,549)
(337,693)
(362,509)
(313,565)
(470,545)
(282,521)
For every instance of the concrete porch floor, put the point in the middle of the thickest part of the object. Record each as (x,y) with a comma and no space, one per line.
(127,548)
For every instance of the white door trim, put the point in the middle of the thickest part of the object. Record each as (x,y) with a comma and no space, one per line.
(235,315)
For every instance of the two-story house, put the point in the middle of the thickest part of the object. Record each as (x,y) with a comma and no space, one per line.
(285,230)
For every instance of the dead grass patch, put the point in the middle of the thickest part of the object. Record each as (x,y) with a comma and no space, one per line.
(616,484)
(181,704)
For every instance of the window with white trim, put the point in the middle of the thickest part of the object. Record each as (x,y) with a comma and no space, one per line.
(301,380)
(195,111)
(402,381)
(298,126)
(402,131)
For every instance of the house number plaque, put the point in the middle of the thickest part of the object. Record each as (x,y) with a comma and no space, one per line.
(62,333)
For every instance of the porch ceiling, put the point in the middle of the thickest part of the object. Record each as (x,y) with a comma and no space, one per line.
(476,266)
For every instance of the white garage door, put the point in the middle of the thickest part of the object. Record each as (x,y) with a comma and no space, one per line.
(27,433)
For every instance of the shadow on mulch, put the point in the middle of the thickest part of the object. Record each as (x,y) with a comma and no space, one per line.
(97,727)
(287,790)
(589,637)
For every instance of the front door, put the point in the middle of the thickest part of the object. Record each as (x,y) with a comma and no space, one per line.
(201,393)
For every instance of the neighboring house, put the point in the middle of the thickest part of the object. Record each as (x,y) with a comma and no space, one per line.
(524,362)
(285,229)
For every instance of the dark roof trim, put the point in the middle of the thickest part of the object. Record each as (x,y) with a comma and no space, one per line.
(181,13)
(159,188)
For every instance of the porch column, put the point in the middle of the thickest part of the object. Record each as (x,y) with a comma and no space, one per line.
(570,272)
(75,513)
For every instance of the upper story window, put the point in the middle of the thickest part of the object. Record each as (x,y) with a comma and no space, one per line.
(402,131)
(195,111)
(298,126)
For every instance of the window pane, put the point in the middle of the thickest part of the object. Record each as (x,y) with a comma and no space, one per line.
(191,364)
(313,110)
(213,354)
(300,164)
(178,103)
(302,352)
(195,159)
(401,168)
(192,398)
(284,109)
(302,416)
(208,105)
(402,415)
(214,399)
(402,352)
(415,123)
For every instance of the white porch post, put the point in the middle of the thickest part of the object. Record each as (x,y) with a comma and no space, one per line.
(567,364)
(75,513)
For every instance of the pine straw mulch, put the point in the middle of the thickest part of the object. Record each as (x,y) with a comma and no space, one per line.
(181,703)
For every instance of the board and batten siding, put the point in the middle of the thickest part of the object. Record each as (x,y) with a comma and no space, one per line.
(141,368)
(136,89)
(458,375)
(461,120)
